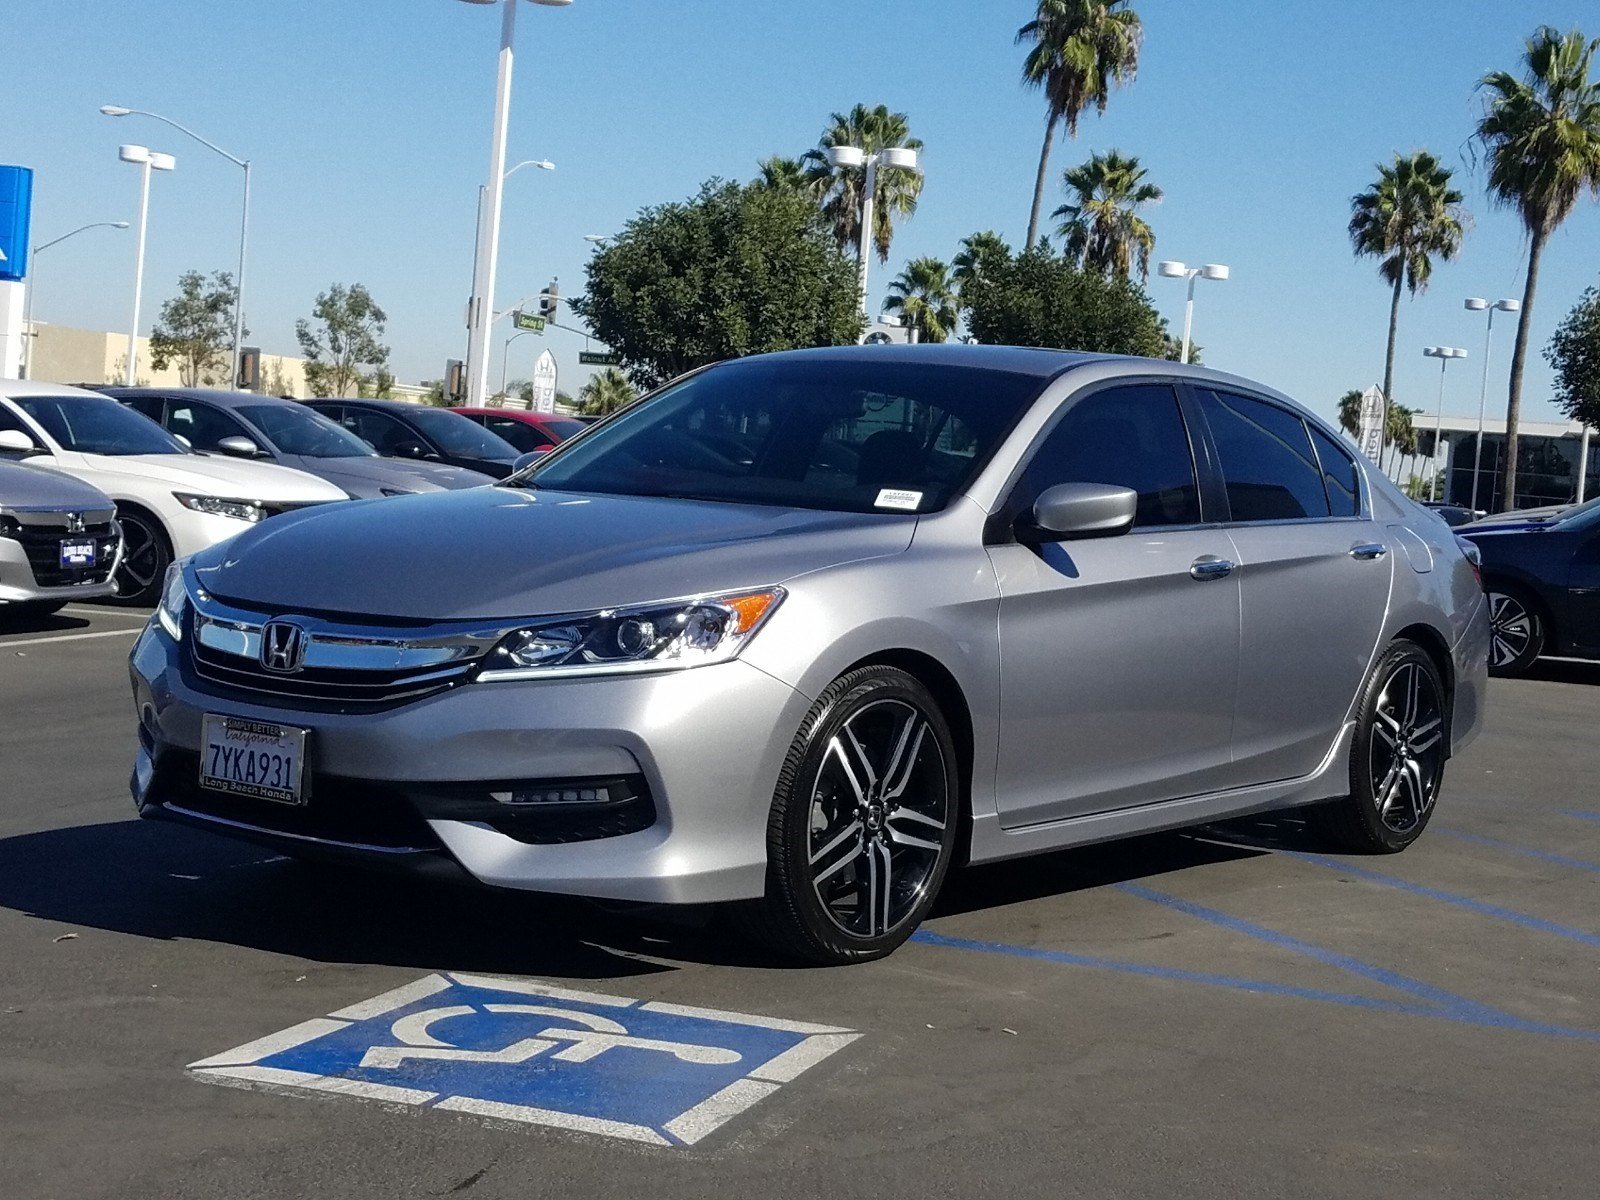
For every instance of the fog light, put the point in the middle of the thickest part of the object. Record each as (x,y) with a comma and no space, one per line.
(554,795)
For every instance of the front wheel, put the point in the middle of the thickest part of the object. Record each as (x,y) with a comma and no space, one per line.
(1396,758)
(863,822)
(146,555)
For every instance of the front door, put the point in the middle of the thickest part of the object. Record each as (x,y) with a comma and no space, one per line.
(1118,663)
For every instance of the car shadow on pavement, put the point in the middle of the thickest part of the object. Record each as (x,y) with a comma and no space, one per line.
(1565,670)
(12,621)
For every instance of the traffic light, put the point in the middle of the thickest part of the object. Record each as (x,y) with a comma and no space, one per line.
(249,369)
(549,299)
(455,381)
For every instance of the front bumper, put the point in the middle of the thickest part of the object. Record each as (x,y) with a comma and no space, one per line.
(705,744)
(18,583)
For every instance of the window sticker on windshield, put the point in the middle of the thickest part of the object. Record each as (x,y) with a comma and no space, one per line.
(897,498)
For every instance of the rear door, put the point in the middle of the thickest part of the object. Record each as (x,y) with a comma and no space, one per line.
(1314,572)
(1118,657)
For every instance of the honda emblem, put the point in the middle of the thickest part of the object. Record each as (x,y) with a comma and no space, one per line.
(283,647)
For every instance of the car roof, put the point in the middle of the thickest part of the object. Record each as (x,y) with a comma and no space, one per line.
(1015,360)
(16,388)
(525,415)
(394,406)
(215,396)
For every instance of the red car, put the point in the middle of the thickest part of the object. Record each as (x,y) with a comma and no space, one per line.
(527,431)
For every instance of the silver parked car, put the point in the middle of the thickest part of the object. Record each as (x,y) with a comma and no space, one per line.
(799,632)
(59,539)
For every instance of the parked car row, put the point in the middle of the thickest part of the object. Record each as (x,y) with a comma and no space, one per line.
(164,472)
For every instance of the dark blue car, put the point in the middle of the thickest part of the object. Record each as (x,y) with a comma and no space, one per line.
(1542,574)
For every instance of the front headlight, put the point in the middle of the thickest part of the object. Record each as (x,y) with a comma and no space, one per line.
(217,506)
(668,635)
(174,597)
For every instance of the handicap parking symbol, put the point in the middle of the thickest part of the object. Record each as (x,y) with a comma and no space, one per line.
(522,1050)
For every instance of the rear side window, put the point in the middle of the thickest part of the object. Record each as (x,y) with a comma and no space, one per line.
(1267,463)
(1131,437)
(523,436)
(1338,475)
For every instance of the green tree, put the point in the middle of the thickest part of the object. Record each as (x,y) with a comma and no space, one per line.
(978,254)
(1349,410)
(1408,215)
(734,270)
(1078,50)
(342,343)
(195,330)
(434,393)
(780,174)
(607,390)
(839,190)
(1038,299)
(1101,225)
(1541,135)
(924,298)
(1574,355)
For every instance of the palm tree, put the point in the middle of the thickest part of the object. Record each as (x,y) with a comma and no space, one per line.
(1541,135)
(979,253)
(606,391)
(1101,225)
(1408,215)
(839,189)
(1349,410)
(923,296)
(780,174)
(1079,50)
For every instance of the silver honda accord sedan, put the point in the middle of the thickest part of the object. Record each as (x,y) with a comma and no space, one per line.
(797,633)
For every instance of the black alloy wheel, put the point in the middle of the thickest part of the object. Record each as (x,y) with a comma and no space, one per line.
(146,555)
(1516,633)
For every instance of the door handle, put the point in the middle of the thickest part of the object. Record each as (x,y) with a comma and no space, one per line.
(1209,566)
(1368,551)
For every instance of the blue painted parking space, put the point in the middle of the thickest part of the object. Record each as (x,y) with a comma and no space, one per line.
(522,1050)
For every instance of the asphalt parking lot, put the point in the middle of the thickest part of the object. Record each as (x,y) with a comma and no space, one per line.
(1223,1012)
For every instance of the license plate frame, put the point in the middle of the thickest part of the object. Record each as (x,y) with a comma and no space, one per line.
(74,554)
(256,760)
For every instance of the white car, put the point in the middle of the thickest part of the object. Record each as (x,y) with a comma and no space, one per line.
(171,502)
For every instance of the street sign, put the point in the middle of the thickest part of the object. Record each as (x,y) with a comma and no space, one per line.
(528,322)
(544,383)
(599,358)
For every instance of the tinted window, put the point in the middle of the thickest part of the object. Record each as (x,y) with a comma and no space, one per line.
(520,434)
(850,434)
(98,425)
(383,433)
(1266,456)
(1338,474)
(10,420)
(454,434)
(145,406)
(1132,437)
(203,425)
(564,427)
(296,430)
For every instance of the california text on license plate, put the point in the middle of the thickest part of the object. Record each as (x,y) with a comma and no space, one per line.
(252,758)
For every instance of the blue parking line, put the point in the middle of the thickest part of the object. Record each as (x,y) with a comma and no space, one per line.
(1561,860)
(1480,907)
(1580,814)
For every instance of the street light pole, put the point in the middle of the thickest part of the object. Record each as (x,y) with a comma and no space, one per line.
(505,358)
(146,160)
(1478,304)
(1444,354)
(544,164)
(116,110)
(29,332)
(1178,270)
(854,156)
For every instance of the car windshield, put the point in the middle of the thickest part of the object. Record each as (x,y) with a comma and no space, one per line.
(455,434)
(564,427)
(862,436)
(98,425)
(1580,515)
(295,430)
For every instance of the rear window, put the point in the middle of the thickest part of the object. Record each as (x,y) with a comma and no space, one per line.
(1267,463)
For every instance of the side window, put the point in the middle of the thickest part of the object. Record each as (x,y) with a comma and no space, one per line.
(203,425)
(1267,463)
(1338,475)
(383,433)
(145,406)
(1130,436)
(521,435)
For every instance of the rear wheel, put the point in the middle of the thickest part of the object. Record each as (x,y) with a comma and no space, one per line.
(1396,759)
(863,822)
(1516,629)
(146,555)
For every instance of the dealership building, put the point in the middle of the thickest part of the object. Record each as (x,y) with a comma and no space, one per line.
(1549,454)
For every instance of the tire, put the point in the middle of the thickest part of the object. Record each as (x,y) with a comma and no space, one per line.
(1396,759)
(146,555)
(1517,630)
(863,823)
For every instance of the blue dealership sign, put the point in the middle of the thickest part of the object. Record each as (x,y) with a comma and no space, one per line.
(16,210)
(522,1050)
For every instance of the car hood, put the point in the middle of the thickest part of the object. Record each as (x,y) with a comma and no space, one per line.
(233,478)
(1522,518)
(508,553)
(24,488)
(366,477)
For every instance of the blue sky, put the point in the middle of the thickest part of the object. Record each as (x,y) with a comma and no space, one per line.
(369,127)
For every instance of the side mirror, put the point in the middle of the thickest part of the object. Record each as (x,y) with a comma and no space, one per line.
(523,461)
(238,447)
(14,441)
(1079,510)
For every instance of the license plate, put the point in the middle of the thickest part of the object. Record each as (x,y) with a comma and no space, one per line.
(252,758)
(77,554)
